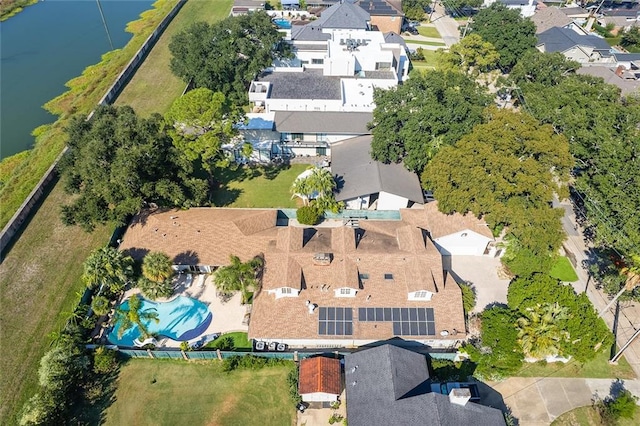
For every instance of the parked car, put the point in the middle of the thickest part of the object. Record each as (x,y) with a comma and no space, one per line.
(411,30)
(445,389)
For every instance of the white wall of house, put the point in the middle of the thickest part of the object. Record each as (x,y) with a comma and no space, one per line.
(467,243)
(319,397)
(359,203)
(527,8)
(387,201)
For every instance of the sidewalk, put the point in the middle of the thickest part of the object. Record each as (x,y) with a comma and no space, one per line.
(629,318)
(537,401)
(446,26)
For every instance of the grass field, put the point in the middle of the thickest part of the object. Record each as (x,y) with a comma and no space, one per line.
(430,60)
(598,368)
(39,278)
(154,392)
(428,32)
(240,341)
(563,270)
(154,87)
(425,43)
(258,187)
(588,416)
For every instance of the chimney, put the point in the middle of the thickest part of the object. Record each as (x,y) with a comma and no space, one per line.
(459,396)
(620,70)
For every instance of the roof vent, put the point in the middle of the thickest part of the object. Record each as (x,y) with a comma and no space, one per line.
(322,259)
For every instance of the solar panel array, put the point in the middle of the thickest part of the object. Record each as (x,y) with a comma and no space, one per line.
(335,321)
(406,321)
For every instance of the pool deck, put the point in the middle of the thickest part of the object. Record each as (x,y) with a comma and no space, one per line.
(227,317)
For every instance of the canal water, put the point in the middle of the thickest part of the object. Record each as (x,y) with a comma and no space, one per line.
(42,48)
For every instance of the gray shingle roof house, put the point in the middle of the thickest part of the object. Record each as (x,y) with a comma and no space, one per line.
(363,177)
(388,385)
(581,48)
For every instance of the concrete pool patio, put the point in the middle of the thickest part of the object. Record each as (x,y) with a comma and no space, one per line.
(227,317)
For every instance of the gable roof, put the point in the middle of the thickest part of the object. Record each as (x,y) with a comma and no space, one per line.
(440,224)
(343,15)
(310,84)
(381,7)
(626,86)
(390,385)
(350,123)
(562,39)
(392,37)
(308,32)
(549,17)
(351,160)
(320,374)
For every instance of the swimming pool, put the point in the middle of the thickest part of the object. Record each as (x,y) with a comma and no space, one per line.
(181,319)
(285,24)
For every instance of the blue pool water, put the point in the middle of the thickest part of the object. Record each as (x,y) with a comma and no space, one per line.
(285,24)
(181,319)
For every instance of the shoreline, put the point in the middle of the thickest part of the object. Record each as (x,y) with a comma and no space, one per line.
(15,8)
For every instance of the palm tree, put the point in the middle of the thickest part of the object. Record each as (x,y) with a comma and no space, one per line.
(238,276)
(539,330)
(156,267)
(131,317)
(108,268)
(100,305)
(155,289)
(319,182)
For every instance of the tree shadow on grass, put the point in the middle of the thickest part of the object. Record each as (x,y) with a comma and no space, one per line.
(98,394)
(225,196)
(271,172)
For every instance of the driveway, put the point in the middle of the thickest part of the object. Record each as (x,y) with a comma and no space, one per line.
(482,272)
(536,401)
(446,25)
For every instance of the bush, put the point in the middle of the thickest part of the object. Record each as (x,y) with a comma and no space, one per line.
(612,409)
(468,297)
(335,418)
(524,262)
(224,343)
(105,360)
(249,362)
(292,381)
(444,370)
(308,215)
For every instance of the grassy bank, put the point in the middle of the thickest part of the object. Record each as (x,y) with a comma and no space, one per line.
(152,392)
(154,87)
(597,368)
(83,95)
(9,8)
(39,278)
(429,32)
(588,416)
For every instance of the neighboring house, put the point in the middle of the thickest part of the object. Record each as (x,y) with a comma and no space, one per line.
(386,15)
(630,61)
(242,7)
(627,81)
(623,17)
(393,37)
(526,7)
(551,17)
(457,234)
(322,287)
(388,385)
(366,184)
(320,379)
(584,49)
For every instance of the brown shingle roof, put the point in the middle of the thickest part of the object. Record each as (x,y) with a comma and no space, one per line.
(440,224)
(281,271)
(320,374)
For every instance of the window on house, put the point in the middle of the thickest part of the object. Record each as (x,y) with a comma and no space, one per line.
(285,290)
(345,291)
(321,137)
(364,276)
(421,294)
(317,61)
(297,136)
(388,276)
(382,66)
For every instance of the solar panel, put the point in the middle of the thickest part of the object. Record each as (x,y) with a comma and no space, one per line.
(335,321)
(379,314)
(387,314)
(406,321)
(421,314)
(413,314)
(362,314)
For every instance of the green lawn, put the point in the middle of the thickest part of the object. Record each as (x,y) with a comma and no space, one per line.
(429,32)
(563,270)
(153,88)
(39,278)
(588,416)
(240,341)
(425,43)
(164,392)
(430,60)
(257,187)
(598,368)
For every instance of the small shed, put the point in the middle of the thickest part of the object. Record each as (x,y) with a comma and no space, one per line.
(320,379)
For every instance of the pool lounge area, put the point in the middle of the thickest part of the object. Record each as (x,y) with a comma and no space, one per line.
(192,312)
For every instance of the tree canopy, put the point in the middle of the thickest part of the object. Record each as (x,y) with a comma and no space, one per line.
(226,56)
(547,69)
(117,162)
(412,121)
(506,171)
(472,54)
(510,33)
(109,269)
(239,276)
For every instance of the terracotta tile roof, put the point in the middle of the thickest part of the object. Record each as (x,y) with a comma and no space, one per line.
(320,374)
(439,224)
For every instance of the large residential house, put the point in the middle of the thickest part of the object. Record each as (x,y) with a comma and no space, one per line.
(526,7)
(321,287)
(388,385)
(585,49)
(324,94)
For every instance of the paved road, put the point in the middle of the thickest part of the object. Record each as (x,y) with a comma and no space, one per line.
(537,401)
(629,318)
(446,25)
